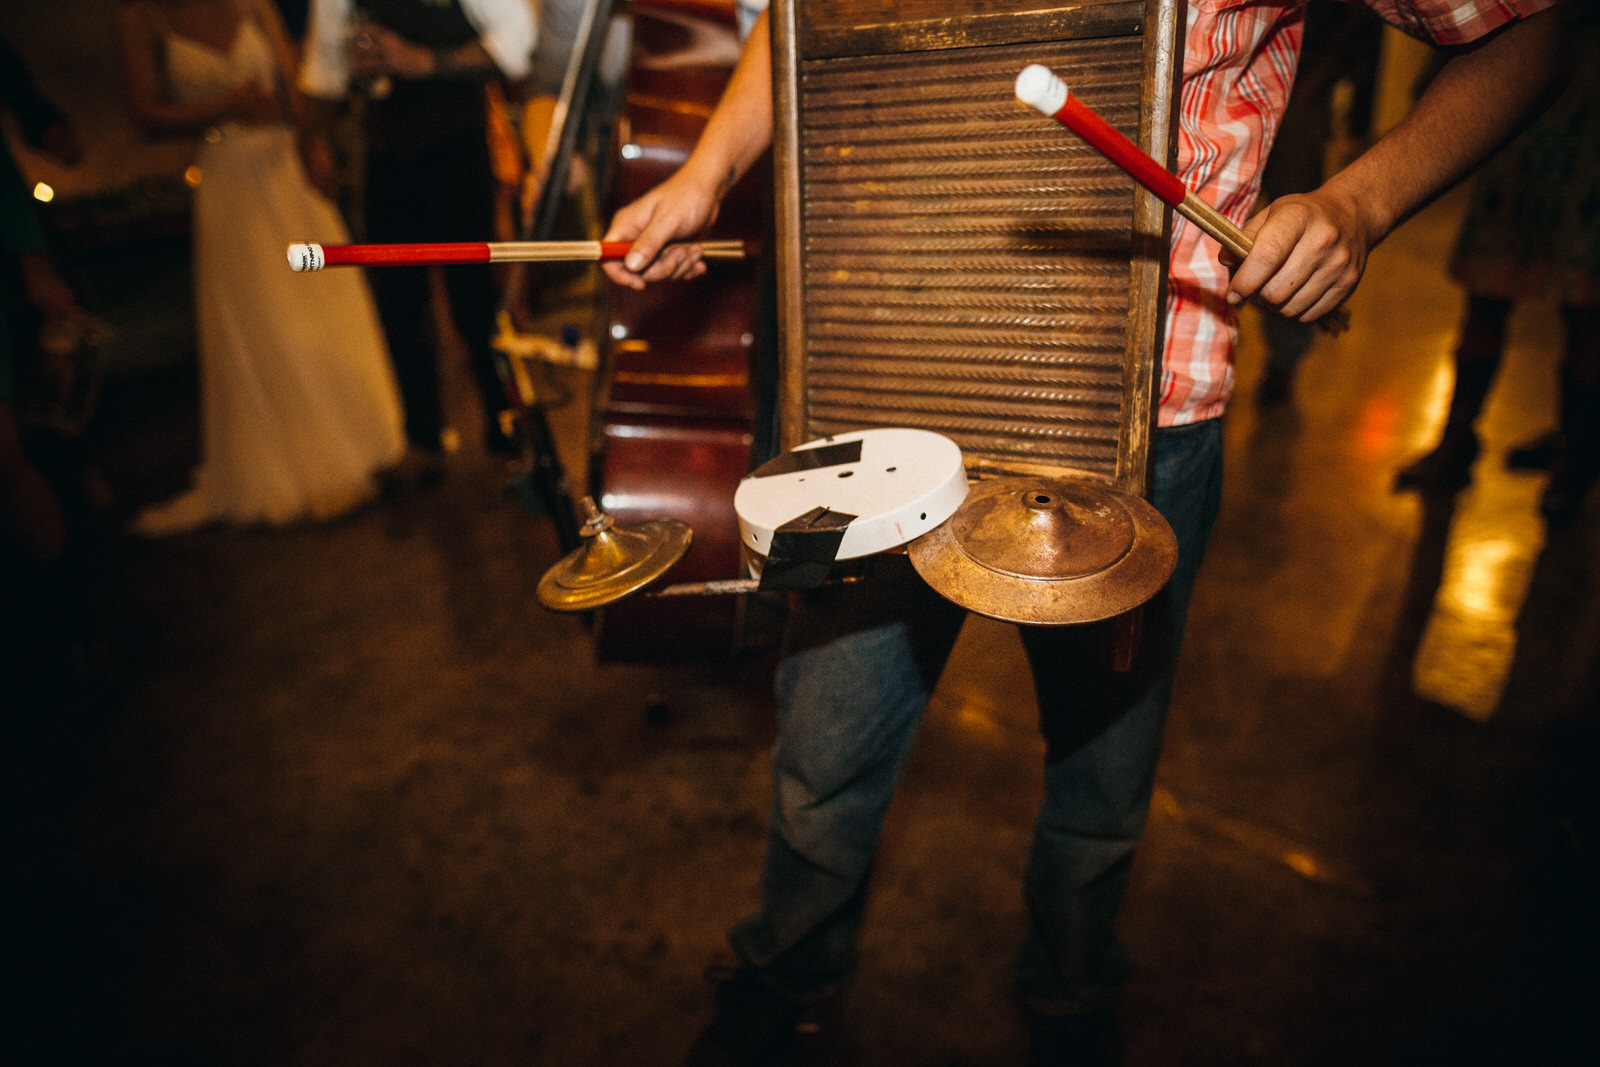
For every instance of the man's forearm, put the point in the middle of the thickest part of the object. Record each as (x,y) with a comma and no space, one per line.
(1478,101)
(740,128)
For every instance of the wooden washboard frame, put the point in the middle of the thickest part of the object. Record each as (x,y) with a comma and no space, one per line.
(954,261)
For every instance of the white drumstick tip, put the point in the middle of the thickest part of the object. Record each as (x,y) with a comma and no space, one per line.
(306,257)
(1039,87)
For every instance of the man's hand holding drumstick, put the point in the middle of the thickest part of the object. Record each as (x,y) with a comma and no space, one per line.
(682,207)
(1307,252)
(1310,249)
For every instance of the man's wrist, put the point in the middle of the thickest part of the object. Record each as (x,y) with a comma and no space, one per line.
(1362,194)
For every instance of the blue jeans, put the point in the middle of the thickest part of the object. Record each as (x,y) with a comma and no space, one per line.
(860,664)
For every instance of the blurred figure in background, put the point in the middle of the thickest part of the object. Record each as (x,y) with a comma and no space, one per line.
(295,15)
(51,654)
(40,122)
(422,65)
(31,519)
(1532,228)
(1330,110)
(298,406)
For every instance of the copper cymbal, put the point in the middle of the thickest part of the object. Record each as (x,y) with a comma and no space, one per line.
(1048,551)
(612,562)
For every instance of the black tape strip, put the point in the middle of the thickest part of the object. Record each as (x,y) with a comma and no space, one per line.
(810,459)
(804,548)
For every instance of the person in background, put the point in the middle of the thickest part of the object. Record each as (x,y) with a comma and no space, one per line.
(298,407)
(861,660)
(48,634)
(422,66)
(30,514)
(295,13)
(42,125)
(1531,229)
(1342,44)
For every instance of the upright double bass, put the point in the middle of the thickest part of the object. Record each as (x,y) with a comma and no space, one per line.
(684,383)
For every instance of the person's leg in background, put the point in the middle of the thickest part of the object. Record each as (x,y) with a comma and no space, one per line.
(462,204)
(402,295)
(1575,460)
(1448,466)
(1330,107)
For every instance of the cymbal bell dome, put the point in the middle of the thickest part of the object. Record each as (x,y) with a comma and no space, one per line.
(1048,551)
(612,562)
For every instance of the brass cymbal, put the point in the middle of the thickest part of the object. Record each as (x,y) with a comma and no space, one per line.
(1048,551)
(612,562)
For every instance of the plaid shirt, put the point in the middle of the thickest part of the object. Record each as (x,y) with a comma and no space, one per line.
(1239,64)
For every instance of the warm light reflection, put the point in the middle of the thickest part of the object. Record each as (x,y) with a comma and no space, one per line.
(1266,842)
(43,193)
(1485,579)
(1470,641)
(1434,404)
(1463,663)
(1411,420)
(644,503)
(978,719)
(1302,864)
(191,176)
(1375,427)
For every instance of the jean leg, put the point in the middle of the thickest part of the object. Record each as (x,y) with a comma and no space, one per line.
(861,663)
(1103,731)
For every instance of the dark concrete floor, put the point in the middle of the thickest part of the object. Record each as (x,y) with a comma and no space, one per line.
(352,797)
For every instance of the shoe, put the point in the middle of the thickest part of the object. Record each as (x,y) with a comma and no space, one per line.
(1447,468)
(1536,453)
(1086,1040)
(755,1021)
(185,513)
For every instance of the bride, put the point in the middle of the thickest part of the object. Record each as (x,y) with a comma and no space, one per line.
(298,404)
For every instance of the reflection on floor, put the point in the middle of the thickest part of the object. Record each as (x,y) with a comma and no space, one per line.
(356,799)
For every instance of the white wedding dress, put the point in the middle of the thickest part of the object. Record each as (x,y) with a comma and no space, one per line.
(298,403)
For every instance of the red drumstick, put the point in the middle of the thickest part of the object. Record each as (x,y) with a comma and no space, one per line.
(309,257)
(1039,87)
